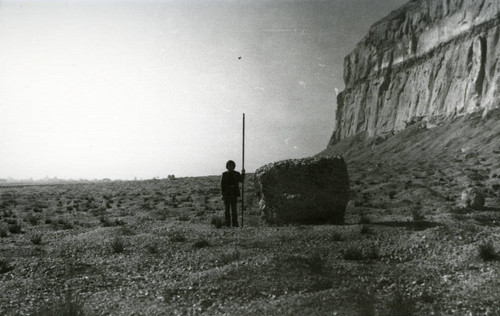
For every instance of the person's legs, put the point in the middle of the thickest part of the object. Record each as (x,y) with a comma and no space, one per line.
(234,213)
(227,214)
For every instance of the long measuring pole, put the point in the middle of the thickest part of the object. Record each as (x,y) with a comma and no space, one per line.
(243,167)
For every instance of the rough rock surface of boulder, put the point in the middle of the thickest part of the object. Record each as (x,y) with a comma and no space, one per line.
(303,191)
(472,197)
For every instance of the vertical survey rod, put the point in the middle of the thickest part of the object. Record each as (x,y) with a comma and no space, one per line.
(243,167)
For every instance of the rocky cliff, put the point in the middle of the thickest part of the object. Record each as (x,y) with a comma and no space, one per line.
(427,60)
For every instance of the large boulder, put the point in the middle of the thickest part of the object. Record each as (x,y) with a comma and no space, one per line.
(472,198)
(303,191)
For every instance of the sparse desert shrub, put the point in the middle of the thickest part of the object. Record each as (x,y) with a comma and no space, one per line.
(5,266)
(401,305)
(230,256)
(118,245)
(354,254)
(107,204)
(372,254)
(98,211)
(11,221)
(357,254)
(62,223)
(36,239)
(32,219)
(7,213)
(316,262)
(176,236)
(67,306)
(312,263)
(201,243)
(146,205)
(336,237)
(161,214)
(152,247)
(126,231)
(427,296)
(418,214)
(364,301)
(218,221)
(15,228)
(364,219)
(106,222)
(487,252)
(470,228)
(366,230)
(3,232)
(37,209)
(392,194)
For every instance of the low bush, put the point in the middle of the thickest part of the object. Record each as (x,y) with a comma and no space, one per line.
(392,194)
(372,254)
(357,254)
(66,306)
(15,228)
(366,230)
(354,254)
(418,214)
(152,247)
(230,256)
(316,263)
(201,243)
(126,231)
(33,219)
(176,236)
(336,237)
(364,219)
(401,305)
(62,223)
(218,221)
(118,245)
(3,232)
(36,239)
(106,222)
(365,302)
(487,252)
(5,266)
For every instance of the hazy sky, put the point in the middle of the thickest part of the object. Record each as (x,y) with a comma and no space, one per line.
(122,89)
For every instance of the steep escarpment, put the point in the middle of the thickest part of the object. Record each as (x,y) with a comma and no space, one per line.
(428,60)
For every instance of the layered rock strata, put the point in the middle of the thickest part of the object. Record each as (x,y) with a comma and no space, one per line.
(303,191)
(428,59)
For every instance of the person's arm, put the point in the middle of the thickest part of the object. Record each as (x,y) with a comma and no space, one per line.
(222,185)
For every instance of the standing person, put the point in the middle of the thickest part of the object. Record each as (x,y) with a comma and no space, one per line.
(230,190)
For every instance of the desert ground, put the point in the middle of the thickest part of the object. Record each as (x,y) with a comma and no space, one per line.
(157,247)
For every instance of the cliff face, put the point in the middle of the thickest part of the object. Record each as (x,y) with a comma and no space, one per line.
(428,59)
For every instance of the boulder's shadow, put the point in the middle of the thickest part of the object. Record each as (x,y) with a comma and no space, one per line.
(415,225)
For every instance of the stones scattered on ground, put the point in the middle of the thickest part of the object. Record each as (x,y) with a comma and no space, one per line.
(303,191)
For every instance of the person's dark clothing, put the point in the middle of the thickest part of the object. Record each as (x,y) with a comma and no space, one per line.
(230,190)
(230,211)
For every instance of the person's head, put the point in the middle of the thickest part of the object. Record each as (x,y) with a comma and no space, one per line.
(230,165)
